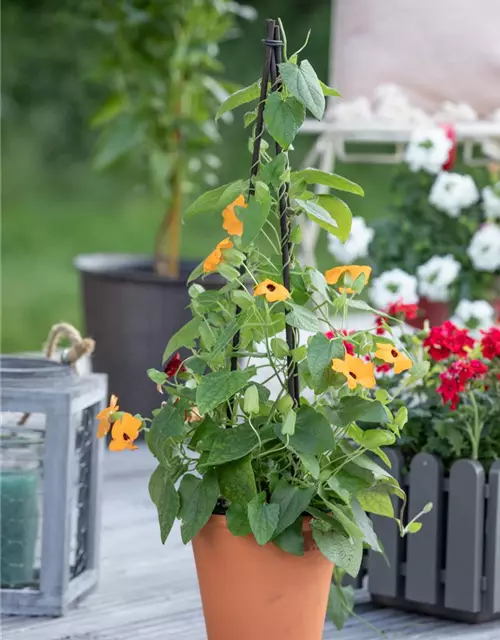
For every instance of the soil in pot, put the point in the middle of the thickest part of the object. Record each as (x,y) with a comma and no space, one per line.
(131,312)
(251,592)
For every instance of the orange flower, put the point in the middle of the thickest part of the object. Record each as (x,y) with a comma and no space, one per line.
(389,353)
(273,291)
(104,417)
(356,370)
(332,276)
(124,432)
(216,257)
(231,223)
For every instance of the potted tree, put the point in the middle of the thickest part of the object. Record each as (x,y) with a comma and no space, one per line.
(273,491)
(448,454)
(160,62)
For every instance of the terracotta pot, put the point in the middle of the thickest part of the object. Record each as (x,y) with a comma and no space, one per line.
(435,312)
(260,593)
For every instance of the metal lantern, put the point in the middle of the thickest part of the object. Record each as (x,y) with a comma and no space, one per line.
(49,485)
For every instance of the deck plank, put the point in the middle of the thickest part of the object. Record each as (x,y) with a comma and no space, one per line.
(149,592)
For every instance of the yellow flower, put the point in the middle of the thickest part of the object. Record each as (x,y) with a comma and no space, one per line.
(332,276)
(356,371)
(389,353)
(273,291)
(231,223)
(124,432)
(215,258)
(104,417)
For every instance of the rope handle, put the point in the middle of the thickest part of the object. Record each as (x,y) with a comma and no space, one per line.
(79,347)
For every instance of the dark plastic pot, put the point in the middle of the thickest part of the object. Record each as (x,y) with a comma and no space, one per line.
(131,312)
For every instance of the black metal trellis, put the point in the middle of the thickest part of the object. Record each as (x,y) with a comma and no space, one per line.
(274,52)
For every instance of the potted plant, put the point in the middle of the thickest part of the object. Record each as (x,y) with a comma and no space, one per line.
(448,454)
(160,62)
(273,490)
(440,247)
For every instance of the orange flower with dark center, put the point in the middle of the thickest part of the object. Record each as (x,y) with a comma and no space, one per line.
(356,371)
(232,224)
(273,291)
(124,432)
(216,257)
(332,276)
(388,353)
(104,417)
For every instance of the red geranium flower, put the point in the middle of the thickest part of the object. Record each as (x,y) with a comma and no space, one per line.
(397,310)
(454,379)
(383,368)
(174,365)
(448,339)
(490,343)
(349,347)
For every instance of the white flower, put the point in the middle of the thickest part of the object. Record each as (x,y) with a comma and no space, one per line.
(356,245)
(435,277)
(428,150)
(484,248)
(475,315)
(491,201)
(393,286)
(452,192)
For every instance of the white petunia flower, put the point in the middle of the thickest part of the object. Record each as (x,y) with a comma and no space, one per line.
(356,245)
(435,277)
(475,315)
(491,201)
(428,150)
(452,192)
(484,248)
(393,286)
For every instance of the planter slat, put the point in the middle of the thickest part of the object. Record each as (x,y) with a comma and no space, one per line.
(384,575)
(465,536)
(492,551)
(424,550)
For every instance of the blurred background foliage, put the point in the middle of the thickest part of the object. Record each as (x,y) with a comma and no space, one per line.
(56,206)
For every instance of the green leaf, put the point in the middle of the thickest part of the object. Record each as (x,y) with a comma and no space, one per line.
(414,527)
(292,502)
(317,280)
(316,176)
(216,199)
(345,520)
(237,520)
(185,337)
(313,433)
(340,604)
(242,298)
(165,498)
(215,388)
(272,172)
(120,136)
(231,444)
(249,118)
(237,481)
(226,335)
(365,524)
(263,518)
(167,423)
(198,499)
(113,106)
(329,91)
(283,118)
(346,485)
(301,318)
(320,353)
(354,409)
(310,463)
(374,438)
(320,215)
(338,548)
(302,82)
(236,99)
(340,212)
(291,539)
(205,434)
(158,377)
(253,217)
(377,502)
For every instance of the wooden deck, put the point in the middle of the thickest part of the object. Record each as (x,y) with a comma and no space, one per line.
(149,592)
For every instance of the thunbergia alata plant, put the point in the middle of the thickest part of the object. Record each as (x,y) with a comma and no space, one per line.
(266,462)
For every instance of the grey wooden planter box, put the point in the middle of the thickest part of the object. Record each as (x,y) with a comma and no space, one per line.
(451,567)
(51,506)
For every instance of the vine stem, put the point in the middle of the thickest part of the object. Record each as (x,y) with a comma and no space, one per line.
(476,434)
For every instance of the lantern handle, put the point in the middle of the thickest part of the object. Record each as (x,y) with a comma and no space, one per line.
(79,346)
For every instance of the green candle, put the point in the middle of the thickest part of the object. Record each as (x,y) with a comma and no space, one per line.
(18,526)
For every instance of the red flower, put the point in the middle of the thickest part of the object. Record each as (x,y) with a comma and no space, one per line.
(448,339)
(383,368)
(490,343)
(349,347)
(174,366)
(397,310)
(454,379)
